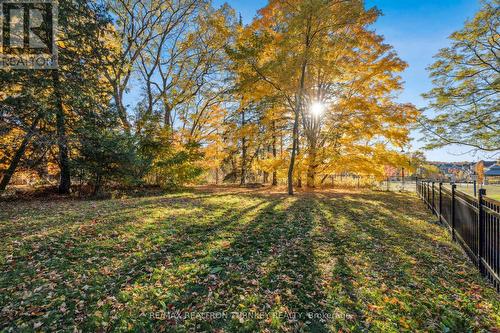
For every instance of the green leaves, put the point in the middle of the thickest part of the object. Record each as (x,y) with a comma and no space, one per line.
(216,270)
(466,77)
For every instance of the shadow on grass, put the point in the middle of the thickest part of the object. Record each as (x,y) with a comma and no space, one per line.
(80,262)
(315,263)
(265,273)
(406,270)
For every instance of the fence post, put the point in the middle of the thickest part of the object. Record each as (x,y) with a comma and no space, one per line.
(440,201)
(482,192)
(424,186)
(426,192)
(428,197)
(433,208)
(453,188)
(422,189)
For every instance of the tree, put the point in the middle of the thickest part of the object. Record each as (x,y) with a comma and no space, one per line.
(77,83)
(353,76)
(466,77)
(103,154)
(185,81)
(141,28)
(47,104)
(479,170)
(308,52)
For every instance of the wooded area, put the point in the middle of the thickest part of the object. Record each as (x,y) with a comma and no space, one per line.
(176,92)
(304,91)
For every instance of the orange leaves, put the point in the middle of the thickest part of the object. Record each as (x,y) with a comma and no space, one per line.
(296,52)
(375,308)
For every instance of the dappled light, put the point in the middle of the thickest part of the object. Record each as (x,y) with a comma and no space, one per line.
(355,261)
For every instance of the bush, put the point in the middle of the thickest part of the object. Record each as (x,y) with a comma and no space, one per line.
(105,155)
(177,167)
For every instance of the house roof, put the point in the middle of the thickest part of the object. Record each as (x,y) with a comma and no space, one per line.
(488,164)
(493,171)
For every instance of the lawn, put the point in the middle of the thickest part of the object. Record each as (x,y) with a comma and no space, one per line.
(231,261)
(492,191)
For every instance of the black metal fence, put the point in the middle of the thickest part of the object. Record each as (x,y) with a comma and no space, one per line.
(473,222)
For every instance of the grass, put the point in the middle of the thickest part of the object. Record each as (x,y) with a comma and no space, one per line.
(492,191)
(237,262)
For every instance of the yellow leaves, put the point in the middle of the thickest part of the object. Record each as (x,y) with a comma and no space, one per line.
(375,308)
(404,323)
(9,141)
(249,130)
(271,164)
(10,91)
(391,300)
(376,160)
(480,172)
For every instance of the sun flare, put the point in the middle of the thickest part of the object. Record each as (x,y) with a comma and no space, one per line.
(317,108)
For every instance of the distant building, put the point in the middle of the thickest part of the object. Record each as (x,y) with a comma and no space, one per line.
(488,172)
(458,171)
(492,175)
(487,164)
(481,168)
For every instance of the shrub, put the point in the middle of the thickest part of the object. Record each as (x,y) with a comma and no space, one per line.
(105,155)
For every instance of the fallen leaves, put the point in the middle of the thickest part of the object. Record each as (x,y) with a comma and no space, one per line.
(349,265)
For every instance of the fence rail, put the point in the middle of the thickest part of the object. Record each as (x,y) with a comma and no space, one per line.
(473,222)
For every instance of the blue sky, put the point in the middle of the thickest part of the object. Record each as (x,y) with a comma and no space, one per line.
(417,29)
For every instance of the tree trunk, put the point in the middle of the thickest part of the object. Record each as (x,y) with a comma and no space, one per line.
(299,167)
(295,134)
(97,185)
(243,153)
(294,149)
(62,141)
(275,173)
(311,165)
(122,112)
(19,154)
(167,117)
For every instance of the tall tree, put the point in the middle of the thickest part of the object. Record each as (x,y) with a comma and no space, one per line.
(143,29)
(62,139)
(466,76)
(60,95)
(322,53)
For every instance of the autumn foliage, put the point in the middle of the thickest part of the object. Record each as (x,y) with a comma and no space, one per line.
(214,100)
